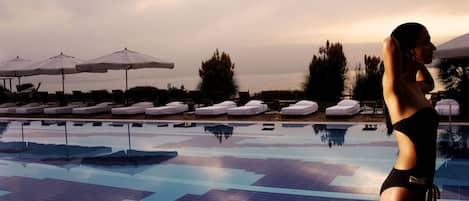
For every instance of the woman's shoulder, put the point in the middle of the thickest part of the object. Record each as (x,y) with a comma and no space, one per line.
(391,58)
(390,44)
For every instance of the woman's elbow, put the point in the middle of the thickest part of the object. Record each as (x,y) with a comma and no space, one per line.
(427,86)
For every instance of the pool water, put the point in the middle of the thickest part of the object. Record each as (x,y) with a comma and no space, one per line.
(207,161)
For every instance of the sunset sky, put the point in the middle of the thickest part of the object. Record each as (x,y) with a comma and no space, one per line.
(262,34)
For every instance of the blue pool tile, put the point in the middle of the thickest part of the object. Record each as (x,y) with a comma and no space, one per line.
(283,173)
(236,161)
(242,195)
(3,193)
(450,192)
(464,192)
(29,189)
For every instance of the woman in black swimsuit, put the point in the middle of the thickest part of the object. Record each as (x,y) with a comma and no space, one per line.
(415,122)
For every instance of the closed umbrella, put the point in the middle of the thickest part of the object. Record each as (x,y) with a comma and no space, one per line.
(16,67)
(57,65)
(123,60)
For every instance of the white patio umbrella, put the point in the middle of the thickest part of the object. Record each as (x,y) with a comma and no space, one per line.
(454,48)
(123,60)
(17,67)
(57,65)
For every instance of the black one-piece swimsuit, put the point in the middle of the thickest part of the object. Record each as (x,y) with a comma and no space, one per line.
(421,128)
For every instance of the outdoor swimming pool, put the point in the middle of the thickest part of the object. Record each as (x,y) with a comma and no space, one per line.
(202,161)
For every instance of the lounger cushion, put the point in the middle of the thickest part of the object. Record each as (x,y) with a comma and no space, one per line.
(99,108)
(12,110)
(348,102)
(174,108)
(217,109)
(254,102)
(226,103)
(3,105)
(253,107)
(303,107)
(38,109)
(344,108)
(175,103)
(64,109)
(136,108)
(447,101)
(443,106)
(305,102)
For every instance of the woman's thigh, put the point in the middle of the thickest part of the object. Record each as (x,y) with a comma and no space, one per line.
(401,194)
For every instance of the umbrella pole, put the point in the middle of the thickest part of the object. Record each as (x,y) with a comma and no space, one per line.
(19,80)
(66,134)
(126,86)
(22,139)
(22,132)
(63,82)
(126,81)
(128,134)
(10,85)
(67,151)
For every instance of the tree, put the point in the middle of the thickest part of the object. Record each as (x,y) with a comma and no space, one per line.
(368,84)
(327,73)
(454,73)
(217,77)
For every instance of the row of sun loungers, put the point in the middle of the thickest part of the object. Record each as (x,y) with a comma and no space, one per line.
(12,109)
(34,109)
(444,107)
(253,107)
(64,109)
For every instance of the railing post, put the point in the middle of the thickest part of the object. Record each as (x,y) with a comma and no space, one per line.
(22,132)
(128,134)
(449,118)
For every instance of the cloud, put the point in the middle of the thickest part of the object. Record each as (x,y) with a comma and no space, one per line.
(187,29)
(441,27)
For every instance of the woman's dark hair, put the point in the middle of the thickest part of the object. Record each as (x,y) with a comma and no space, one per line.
(407,34)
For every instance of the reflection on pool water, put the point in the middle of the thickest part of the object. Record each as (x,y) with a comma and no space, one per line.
(57,160)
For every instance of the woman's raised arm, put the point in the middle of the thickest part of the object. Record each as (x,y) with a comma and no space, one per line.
(392,60)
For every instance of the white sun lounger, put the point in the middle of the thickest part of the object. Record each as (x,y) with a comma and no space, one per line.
(344,108)
(253,107)
(170,108)
(38,109)
(12,110)
(443,106)
(216,109)
(64,109)
(98,108)
(136,108)
(4,105)
(303,107)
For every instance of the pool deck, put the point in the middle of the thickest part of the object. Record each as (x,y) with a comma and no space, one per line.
(253,164)
(272,116)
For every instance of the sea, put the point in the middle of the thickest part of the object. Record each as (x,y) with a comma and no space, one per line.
(156,77)
(256,69)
